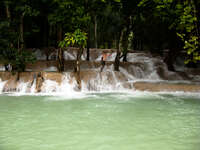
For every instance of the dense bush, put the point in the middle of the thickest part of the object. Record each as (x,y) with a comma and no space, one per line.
(17,59)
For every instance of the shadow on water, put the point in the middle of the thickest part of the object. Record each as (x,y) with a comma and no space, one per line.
(167,95)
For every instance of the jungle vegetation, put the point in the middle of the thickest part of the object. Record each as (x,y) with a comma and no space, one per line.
(145,25)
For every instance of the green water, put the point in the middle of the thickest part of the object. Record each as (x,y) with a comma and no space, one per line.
(100,122)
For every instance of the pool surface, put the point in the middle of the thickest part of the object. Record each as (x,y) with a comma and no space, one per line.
(100,121)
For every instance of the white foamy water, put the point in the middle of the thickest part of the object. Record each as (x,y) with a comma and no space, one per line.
(68,84)
(22,87)
(2,83)
(67,88)
(108,81)
(51,69)
(39,55)
(69,56)
(33,87)
(143,68)
(2,68)
(100,83)
(49,86)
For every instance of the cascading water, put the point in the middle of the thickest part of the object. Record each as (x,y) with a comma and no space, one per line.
(2,83)
(2,68)
(68,85)
(140,67)
(33,86)
(49,86)
(22,87)
(104,81)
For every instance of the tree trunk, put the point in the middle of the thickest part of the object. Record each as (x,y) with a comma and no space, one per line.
(8,16)
(6,67)
(142,46)
(61,66)
(7,11)
(117,61)
(125,45)
(47,57)
(21,33)
(46,33)
(88,47)
(88,53)
(78,58)
(18,76)
(169,59)
(125,38)
(95,31)
(59,33)
(125,57)
(77,68)
(117,58)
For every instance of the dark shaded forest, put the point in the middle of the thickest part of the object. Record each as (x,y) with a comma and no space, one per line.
(142,25)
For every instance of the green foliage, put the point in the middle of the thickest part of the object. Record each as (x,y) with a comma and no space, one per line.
(21,59)
(26,10)
(147,24)
(17,59)
(191,46)
(182,17)
(186,29)
(77,39)
(9,34)
(71,14)
(5,35)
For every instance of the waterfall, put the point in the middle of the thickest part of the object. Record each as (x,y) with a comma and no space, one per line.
(33,86)
(99,83)
(49,86)
(140,67)
(2,83)
(68,85)
(2,68)
(22,87)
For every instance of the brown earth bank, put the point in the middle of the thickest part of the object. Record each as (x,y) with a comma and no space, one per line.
(110,78)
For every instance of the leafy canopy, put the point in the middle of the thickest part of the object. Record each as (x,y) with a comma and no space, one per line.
(78,38)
